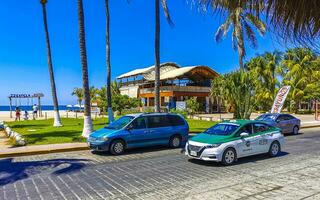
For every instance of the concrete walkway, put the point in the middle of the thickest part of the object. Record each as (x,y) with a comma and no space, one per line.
(308,118)
(41,149)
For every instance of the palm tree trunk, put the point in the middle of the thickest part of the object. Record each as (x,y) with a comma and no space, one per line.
(157,57)
(109,98)
(87,125)
(57,120)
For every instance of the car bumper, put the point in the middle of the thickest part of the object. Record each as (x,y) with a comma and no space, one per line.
(98,146)
(206,154)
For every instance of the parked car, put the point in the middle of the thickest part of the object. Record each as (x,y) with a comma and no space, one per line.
(140,130)
(287,123)
(227,141)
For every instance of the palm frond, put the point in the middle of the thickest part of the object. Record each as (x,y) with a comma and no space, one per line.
(250,35)
(261,27)
(166,12)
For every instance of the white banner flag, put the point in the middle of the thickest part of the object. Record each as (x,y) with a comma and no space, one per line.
(280,98)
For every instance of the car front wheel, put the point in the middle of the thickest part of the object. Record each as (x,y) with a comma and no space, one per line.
(117,147)
(229,156)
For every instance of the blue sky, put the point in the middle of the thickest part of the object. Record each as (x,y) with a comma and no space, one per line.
(23,59)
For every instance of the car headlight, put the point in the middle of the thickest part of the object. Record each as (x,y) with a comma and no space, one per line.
(104,138)
(214,145)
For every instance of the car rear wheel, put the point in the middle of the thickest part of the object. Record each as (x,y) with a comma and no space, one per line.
(274,149)
(175,141)
(295,130)
(229,156)
(117,147)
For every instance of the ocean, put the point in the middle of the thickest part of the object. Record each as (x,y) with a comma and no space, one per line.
(29,108)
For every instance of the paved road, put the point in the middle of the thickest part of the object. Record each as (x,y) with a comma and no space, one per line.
(159,173)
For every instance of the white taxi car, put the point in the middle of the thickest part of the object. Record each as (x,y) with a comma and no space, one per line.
(229,140)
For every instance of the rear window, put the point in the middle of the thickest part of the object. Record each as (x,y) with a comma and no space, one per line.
(176,120)
(257,128)
(158,121)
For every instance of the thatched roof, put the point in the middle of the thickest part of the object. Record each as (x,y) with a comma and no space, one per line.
(147,70)
(170,71)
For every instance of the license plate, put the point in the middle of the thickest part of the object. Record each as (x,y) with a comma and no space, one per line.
(193,153)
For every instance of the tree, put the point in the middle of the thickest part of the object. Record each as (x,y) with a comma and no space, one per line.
(57,120)
(238,89)
(78,92)
(108,67)
(87,125)
(287,25)
(239,17)
(265,67)
(192,105)
(296,71)
(157,48)
(93,94)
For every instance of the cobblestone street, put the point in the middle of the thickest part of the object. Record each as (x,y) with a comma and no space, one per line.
(159,173)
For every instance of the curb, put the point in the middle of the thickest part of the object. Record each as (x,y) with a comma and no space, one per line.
(16,154)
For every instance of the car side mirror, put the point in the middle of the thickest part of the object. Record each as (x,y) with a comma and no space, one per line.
(129,127)
(244,134)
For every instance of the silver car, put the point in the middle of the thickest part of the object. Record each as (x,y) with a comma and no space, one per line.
(287,123)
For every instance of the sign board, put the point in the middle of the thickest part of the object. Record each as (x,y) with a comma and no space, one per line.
(280,98)
(181,105)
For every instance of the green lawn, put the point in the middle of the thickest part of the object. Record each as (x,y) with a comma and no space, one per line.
(38,132)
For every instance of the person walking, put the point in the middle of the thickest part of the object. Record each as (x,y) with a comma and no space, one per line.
(35,111)
(18,113)
(26,115)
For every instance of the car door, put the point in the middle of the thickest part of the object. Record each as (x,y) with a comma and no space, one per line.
(160,129)
(282,123)
(262,131)
(138,133)
(291,121)
(248,145)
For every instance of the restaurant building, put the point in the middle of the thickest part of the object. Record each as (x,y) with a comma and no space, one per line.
(177,84)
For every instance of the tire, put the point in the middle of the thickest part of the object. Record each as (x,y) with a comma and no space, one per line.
(117,147)
(274,149)
(175,141)
(229,156)
(295,130)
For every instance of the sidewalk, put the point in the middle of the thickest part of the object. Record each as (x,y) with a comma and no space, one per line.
(41,149)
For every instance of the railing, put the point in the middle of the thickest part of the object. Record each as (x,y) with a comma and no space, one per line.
(176,89)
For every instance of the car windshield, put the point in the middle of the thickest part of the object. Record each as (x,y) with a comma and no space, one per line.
(120,123)
(266,117)
(222,129)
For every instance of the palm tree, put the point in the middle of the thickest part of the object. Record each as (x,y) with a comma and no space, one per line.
(109,93)
(240,17)
(303,28)
(57,120)
(78,92)
(296,70)
(87,125)
(93,94)
(157,48)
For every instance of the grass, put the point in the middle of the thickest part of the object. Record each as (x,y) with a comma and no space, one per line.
(37,132)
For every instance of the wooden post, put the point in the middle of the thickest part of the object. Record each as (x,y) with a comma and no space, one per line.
(67,114)
(76,115)
(10,107)
(45,114)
